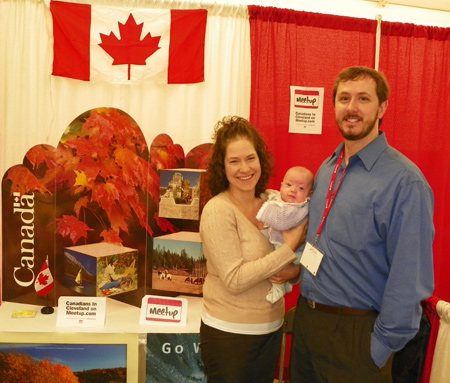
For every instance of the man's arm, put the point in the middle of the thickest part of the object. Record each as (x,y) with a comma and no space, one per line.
(411,278)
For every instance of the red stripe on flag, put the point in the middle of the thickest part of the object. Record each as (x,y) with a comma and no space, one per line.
(71,32)
(187,46)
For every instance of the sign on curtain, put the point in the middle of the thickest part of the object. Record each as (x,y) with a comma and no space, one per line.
(306,110)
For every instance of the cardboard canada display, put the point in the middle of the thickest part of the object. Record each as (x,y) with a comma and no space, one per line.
(99,185)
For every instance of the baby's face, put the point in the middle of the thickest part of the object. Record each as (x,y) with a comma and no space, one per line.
(296,187)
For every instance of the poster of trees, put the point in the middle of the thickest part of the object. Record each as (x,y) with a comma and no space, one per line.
(68,358)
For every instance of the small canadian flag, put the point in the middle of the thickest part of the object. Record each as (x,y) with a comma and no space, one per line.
(128,45)
(44,282)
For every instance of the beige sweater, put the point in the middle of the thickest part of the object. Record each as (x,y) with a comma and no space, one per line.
(240,259)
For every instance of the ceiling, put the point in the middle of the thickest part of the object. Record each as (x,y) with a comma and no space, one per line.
(440,5)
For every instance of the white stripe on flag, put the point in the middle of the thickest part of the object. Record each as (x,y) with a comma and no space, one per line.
(105,20)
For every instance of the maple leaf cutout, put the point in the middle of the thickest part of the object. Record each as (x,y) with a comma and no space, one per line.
(42,279)
(129,49)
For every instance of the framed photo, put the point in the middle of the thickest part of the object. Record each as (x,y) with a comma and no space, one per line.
(69,357)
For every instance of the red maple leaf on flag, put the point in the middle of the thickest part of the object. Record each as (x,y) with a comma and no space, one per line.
(42,279)
(129,49)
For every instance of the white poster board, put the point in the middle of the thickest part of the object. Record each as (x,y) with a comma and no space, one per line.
(306,110)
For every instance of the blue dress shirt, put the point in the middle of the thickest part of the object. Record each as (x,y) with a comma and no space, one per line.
(377,241)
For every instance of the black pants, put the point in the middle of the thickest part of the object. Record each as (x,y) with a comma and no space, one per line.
(236,358)
(328,348)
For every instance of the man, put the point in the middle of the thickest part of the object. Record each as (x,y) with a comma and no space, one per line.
(368,259)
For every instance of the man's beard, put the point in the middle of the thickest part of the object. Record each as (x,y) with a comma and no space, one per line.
(348,134)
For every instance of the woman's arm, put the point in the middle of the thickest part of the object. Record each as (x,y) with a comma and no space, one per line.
(236,251)
(288,273)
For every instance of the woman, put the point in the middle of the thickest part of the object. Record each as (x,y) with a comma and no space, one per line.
(240,333)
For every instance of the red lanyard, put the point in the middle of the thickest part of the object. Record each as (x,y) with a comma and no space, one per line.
(330,195)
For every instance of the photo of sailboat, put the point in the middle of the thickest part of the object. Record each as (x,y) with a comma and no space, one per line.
(79,280)
(79,275)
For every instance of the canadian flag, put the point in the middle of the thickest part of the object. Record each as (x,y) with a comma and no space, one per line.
(128,45)
(44,281)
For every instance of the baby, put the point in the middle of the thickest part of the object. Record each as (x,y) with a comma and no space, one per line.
(284,210)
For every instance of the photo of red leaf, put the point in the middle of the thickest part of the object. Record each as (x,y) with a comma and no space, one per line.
(129,49)
(104,173)
(199,156)
(72,227)
(111,236)
(40,154)
(110,178)
(165,154)
(23,181)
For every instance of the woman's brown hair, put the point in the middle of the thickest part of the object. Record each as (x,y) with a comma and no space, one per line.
(230,129)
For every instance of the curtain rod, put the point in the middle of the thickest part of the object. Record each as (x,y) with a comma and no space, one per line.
(434,5)
(378,42)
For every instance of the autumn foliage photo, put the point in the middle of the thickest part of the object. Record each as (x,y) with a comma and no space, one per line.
(63,363)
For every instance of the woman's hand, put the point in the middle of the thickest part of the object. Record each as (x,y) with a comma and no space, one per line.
(296,236)
(288,273)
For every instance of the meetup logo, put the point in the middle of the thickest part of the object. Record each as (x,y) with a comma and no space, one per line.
(306,99)
(163,310)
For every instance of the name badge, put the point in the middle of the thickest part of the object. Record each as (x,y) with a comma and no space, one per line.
(311,258)
(165,311)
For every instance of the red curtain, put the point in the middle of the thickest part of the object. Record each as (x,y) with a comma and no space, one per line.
(416,60)
(301,49)
(309,49)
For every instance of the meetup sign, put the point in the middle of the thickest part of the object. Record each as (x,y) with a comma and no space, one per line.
(163,310)
(307,99)
(306,110)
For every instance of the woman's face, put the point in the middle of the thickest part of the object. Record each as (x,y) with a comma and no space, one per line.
(242,166)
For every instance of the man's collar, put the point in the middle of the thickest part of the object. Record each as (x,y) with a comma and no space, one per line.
(369,154)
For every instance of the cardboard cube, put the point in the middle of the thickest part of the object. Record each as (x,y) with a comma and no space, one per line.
(182,193)
(100,269)
(178,263)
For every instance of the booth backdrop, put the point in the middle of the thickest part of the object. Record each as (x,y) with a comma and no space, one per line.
(252,56)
